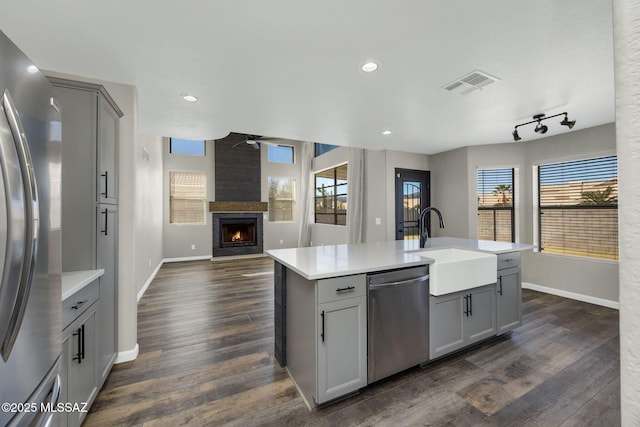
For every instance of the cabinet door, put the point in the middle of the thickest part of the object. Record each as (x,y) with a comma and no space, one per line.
(107,154)
(480,322)
(107,304)
(446,332)
(509,300)
(342,348)
(81,364)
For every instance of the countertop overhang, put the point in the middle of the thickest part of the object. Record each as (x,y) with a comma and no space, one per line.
(321,262)
(73,281)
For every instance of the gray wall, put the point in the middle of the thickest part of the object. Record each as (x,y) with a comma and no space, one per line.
(179,238)
(453,179)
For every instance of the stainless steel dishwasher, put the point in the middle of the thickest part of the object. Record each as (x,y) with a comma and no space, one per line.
(398,321)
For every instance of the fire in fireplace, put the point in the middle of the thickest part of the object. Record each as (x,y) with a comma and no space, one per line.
(238,232)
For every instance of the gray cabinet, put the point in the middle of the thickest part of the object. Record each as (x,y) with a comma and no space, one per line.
(460,319)
(326,335)
(78,371)
(107,239)
(108,120)
(508,293)
(89,199)
(342,343)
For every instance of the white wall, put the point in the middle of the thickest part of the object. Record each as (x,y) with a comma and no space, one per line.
(453,180)
(179,238)
(149,214)
(626,37)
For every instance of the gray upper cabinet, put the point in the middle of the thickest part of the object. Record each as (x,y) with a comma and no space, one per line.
(108,153)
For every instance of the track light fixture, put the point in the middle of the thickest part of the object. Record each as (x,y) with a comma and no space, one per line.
(541,128)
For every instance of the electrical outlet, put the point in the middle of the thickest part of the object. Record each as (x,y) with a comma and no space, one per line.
(378,221)
(193,247)
(281,241)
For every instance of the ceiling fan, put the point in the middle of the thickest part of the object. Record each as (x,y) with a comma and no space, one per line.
(255,141)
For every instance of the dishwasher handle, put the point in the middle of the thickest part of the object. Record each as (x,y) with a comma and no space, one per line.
(413,281)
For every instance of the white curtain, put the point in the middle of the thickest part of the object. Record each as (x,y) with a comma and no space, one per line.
(306,194)
(355,195)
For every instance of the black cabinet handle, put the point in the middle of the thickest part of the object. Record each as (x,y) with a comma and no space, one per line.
(500,283)
(106,183)
(470,304)
(106,222)
(466,305)
(78,304)
(80,334)
(82,352)
(348,288)
(322,334)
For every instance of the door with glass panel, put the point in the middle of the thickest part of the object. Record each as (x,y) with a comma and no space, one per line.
(412,195)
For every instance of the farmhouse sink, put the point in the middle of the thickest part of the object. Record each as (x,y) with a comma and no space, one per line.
(458,269)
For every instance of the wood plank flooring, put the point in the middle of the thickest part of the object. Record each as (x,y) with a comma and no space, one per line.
(205,331)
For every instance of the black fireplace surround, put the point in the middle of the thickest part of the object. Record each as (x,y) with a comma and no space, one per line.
(237,233)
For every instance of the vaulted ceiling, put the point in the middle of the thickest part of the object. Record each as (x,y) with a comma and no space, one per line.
(291,68)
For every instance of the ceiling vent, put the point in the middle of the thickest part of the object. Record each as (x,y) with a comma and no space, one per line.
(469,83)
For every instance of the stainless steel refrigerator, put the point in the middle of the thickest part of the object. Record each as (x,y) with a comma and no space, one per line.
(30,267)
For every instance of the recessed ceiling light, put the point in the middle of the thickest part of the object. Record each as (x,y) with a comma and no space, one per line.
(369,67)
(32,69)
(386,132)
(189,98)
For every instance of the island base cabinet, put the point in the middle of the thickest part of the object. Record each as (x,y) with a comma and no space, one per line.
(509,300)
(342,346)
(460,319)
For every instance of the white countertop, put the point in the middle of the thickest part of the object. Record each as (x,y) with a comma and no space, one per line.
(73,281)
(321,262)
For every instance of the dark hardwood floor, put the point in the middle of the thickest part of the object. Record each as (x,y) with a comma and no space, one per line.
(205,331)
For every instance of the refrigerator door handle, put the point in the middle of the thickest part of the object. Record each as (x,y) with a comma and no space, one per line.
(31,213)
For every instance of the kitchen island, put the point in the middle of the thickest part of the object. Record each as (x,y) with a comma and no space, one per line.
(324,288)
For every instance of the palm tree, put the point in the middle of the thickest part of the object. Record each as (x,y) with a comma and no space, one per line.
(503,190)
(599,197)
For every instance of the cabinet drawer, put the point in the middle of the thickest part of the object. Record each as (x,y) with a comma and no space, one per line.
(508,260)
(338,288)
(77,303)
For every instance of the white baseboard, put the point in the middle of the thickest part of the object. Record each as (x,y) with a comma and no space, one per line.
(572,295)
(188,258)
(127,356)
(149,280)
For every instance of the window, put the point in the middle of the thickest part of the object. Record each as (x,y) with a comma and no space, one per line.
(323,148)
(282,202)
(578,208)
(280,154)
(331,196)
(496,215)
(187,198)
(186,146)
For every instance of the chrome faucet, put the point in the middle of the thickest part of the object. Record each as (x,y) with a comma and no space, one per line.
(424,232)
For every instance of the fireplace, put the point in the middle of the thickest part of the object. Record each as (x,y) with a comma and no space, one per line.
(237,233)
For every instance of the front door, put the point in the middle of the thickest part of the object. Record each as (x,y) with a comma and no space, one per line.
(412,195)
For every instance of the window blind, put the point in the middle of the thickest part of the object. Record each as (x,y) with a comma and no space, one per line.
(578,208)
(187,197)
(496,215)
